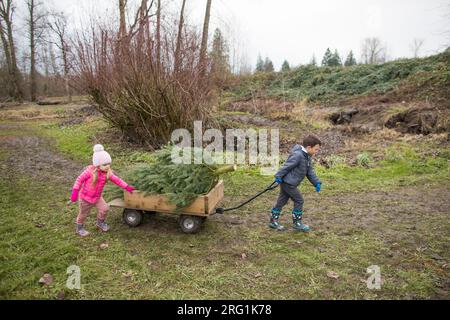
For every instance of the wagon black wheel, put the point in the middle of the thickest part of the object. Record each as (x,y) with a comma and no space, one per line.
(190,224)
(149,212)
(132,217)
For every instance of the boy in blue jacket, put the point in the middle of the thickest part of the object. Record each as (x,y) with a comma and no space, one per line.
(294,170)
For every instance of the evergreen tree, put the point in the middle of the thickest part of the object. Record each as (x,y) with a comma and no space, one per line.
(268,65)
(285,67)
(313,61)
(350,61)
(219,55)
(327,57)
(335,60)
(259,64)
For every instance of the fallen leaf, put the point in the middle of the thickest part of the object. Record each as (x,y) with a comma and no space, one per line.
(257,275)
(39,225)
(61,295)
(436,256)
(46,279)
(103,245)
(128,274)
(243,256)
(332,274)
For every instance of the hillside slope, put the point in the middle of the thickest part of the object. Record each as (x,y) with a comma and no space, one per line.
(421,79)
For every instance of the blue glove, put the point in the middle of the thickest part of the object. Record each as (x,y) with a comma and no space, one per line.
(318,186)
(278,180)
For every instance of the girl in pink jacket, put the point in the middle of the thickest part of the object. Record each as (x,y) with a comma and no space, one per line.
(91,183)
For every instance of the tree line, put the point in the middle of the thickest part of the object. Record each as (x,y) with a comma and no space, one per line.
(373,51)
(49,63)
(42,59)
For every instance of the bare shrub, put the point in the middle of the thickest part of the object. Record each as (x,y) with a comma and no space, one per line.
(133,80)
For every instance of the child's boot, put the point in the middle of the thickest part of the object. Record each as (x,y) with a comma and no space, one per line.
(102,225)
(274,217)
(297,221)
(81,231)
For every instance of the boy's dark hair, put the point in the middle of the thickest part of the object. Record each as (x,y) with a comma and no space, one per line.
(311,141)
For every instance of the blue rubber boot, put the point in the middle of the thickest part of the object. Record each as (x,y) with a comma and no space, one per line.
(102,225)
(274,216)
(81,231)
(297,221)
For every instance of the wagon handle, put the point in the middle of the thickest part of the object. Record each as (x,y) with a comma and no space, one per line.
(272,186)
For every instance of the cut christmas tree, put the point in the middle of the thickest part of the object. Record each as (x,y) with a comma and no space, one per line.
(181,183)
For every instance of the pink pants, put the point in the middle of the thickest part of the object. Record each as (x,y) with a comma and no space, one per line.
(85,208)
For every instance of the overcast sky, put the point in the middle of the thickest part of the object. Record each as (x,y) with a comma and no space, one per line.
(297,29)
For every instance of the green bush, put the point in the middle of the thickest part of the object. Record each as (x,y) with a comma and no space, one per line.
(334,160)
(363,159)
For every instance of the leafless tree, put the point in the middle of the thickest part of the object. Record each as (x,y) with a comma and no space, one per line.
(53,63)
(122,22)
(36,28)
(144,17)
(416,45)
(7,55)
(158,33)
(237,46)
(179,37)
(58,24)
(204,44)
(6,30)
(373,51)
(122,76)
(46,64)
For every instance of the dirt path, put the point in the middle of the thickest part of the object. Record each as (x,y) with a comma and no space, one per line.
(30,155)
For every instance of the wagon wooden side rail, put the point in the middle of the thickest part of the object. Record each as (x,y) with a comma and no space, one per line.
(191,217)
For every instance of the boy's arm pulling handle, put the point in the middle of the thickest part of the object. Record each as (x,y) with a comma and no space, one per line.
(312,177)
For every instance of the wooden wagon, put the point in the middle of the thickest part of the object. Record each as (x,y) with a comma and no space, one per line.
(191,218)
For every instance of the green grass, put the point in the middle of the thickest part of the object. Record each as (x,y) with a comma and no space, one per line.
(402,166)
(163,263)
(76,142)
(166,264)
(73,141)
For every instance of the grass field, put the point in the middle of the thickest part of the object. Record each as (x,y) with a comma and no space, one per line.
(392,213)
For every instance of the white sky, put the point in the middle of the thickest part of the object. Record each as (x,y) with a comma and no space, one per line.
(297,29)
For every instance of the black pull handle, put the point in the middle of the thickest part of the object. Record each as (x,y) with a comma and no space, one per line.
(272,186)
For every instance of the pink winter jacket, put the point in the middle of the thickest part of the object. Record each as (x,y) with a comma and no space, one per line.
(92,193)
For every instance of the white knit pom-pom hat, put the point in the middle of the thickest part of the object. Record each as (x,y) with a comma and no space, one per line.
(100,156)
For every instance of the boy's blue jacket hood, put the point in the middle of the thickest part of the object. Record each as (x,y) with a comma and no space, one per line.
(296,148)
(297,167)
